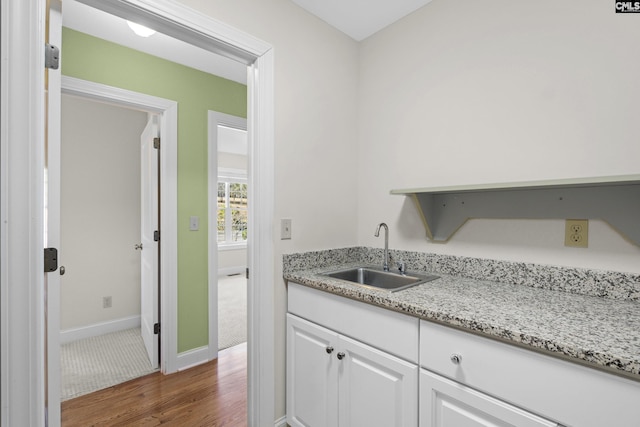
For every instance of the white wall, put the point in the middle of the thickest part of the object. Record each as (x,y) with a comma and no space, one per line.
(460,92)
(100,211)
(469,92)
(315,133)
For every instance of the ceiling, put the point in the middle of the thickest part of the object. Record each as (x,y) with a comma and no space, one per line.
(99,24)
(360,18)
(357,18)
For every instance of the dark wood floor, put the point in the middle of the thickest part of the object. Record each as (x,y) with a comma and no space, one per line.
(213,394)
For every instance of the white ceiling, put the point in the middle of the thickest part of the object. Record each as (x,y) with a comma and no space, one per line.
(357,18)
(360,18)
(99,24)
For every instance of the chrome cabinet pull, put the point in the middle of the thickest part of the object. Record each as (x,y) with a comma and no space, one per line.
(62,270)
(329,350)
(340,355)
(456,358)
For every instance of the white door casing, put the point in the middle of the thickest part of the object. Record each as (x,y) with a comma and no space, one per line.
(214,120)
(22,378)
(149,175)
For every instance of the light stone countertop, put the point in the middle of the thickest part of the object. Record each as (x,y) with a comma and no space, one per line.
(599,332)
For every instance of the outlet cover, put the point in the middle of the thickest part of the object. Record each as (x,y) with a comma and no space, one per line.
(106,302)
(285,229)
(576,233)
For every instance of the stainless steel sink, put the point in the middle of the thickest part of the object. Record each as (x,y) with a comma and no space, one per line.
(378,279)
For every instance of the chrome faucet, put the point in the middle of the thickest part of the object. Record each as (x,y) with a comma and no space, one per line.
(385,266)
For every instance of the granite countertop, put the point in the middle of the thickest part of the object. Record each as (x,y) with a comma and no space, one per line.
(600,332)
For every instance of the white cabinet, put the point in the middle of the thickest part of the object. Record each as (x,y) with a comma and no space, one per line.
(461,370)
(446,403)
(488,383)
(334,380)
(312,380)
(375,388)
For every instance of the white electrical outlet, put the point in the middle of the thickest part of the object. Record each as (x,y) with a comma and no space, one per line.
(106,302)
(576,233)
(285,229)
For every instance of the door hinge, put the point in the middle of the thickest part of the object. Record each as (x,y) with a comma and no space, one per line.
(51,56)
(156,328)
(156,143)
(50,260)
(156,236)
(247,273)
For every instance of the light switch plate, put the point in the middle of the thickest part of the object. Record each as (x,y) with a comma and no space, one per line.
(194,223)
(285,229)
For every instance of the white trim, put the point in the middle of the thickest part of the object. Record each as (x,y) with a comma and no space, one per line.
(232,246)
(238,174)
(189,359)
(281,422)
(97,329)
(260,302)
(168,109)
(229,271)
(215,119)
(22,125)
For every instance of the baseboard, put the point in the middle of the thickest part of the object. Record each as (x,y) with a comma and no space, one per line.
(189,359)
(74,334)
(239,269)
(282,422)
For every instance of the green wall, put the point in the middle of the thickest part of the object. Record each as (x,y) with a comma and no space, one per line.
(89,58)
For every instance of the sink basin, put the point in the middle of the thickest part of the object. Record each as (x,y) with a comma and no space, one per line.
(379,279)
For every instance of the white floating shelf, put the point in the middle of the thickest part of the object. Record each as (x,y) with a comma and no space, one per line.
(614,199)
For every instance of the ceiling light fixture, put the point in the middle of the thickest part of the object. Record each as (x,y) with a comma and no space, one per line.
(140,30)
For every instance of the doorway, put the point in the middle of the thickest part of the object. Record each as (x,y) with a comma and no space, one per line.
(101,224)
(23,346)
(228,208)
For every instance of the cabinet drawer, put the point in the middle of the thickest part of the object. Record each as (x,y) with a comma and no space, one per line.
(568,393)
(393,332)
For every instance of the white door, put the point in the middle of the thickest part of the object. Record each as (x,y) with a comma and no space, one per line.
(376,388)
(52,222)
(150,247)
(446,403)
(312,386)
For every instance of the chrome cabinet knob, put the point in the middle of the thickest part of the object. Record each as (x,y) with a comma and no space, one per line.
(329,350)
(456,359)
(340,355)
(62,270)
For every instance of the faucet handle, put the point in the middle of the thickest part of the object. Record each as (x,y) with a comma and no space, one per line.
(402,267)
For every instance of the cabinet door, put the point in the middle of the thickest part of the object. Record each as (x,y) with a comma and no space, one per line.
(446,403)
(376,388)
(312,384)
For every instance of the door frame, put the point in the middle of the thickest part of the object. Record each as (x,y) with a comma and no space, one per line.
(22,119)
(168,112)
(214,119)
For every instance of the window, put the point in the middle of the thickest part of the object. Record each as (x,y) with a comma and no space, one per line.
(232,211)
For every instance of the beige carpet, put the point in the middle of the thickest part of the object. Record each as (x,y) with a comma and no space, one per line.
(232,311)
(91,364)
